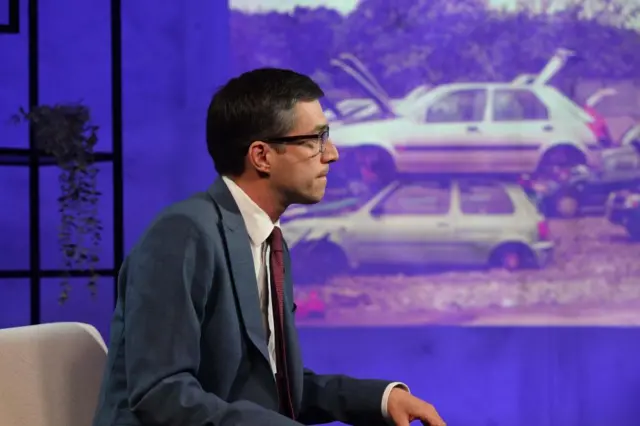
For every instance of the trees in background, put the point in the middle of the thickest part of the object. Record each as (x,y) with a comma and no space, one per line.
(438,41)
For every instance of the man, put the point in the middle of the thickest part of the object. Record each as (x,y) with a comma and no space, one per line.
(203,333)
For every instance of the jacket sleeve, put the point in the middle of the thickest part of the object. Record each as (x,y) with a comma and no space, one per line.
(328,398)
(167,282)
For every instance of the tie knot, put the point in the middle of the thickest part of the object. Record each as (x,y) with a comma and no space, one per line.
(275,239)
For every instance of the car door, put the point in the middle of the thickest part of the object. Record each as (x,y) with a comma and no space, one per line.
(520,125)
(487,214)
(452,132)
(411,225)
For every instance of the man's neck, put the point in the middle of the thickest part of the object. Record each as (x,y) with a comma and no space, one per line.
(261,194)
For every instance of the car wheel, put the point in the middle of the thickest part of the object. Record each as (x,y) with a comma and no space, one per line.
(317,263)
(512,257)
(566,205)
(376,165)
(560,158)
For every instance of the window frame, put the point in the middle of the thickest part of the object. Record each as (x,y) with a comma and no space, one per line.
(503,188)
(378,208)
(495,94)
(447,94)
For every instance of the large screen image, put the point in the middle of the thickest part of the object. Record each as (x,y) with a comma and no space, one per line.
(489,168)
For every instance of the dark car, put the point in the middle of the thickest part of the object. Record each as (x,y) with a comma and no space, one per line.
(579,190)
(623,208)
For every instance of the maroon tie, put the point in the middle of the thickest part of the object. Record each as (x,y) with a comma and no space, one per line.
(277,296)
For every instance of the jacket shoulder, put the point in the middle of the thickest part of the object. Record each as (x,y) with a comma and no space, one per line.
(198,211)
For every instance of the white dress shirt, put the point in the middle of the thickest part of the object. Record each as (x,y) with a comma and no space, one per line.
(259,227)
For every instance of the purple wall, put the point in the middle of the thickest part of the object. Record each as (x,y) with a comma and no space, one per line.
(174,55)
(173,59)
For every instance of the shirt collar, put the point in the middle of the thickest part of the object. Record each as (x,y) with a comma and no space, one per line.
(258,223)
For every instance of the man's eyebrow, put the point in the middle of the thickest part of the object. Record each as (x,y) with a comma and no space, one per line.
(321,127)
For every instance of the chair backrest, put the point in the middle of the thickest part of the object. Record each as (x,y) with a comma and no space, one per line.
(50,374)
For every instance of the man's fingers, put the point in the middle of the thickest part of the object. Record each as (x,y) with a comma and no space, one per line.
(433,421)
(430,417)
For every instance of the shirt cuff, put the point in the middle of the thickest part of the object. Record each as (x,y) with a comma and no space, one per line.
(385,397)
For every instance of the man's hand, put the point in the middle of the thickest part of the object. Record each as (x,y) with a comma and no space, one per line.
(403,408)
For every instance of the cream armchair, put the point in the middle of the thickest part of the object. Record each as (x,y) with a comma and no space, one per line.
(50,374)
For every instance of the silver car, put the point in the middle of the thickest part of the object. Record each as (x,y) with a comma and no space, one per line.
(450,221)
(481,127)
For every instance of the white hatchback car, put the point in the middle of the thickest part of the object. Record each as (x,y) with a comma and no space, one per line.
(458,222)
(505,127)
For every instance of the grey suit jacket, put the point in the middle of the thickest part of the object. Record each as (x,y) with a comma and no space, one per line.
(188,345)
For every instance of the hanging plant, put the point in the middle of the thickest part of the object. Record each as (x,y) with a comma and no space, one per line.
(65,133)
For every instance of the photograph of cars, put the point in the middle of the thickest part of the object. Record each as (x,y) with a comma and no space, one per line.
(488,175)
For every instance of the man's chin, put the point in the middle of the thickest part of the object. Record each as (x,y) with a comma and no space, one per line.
(311,198)
(309,201)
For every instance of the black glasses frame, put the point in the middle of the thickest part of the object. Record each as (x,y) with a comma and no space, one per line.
(321,137)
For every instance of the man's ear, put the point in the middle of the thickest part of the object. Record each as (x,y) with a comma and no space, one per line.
(260,154)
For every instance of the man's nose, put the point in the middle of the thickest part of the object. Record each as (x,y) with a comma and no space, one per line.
(330,154)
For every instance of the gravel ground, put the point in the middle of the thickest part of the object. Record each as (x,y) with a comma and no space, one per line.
(594,280)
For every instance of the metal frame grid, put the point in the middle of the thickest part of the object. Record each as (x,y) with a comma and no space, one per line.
(33,159)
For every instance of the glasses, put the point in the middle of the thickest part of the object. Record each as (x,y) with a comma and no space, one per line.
(320,138)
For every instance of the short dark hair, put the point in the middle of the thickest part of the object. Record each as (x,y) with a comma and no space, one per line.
(255,105)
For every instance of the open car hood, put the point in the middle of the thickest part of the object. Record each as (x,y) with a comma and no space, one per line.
(551,68)
(600,94)
(354,68)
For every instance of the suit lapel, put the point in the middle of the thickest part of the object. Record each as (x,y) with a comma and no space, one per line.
(241,265)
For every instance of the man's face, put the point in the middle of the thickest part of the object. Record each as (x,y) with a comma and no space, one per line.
(299,170)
